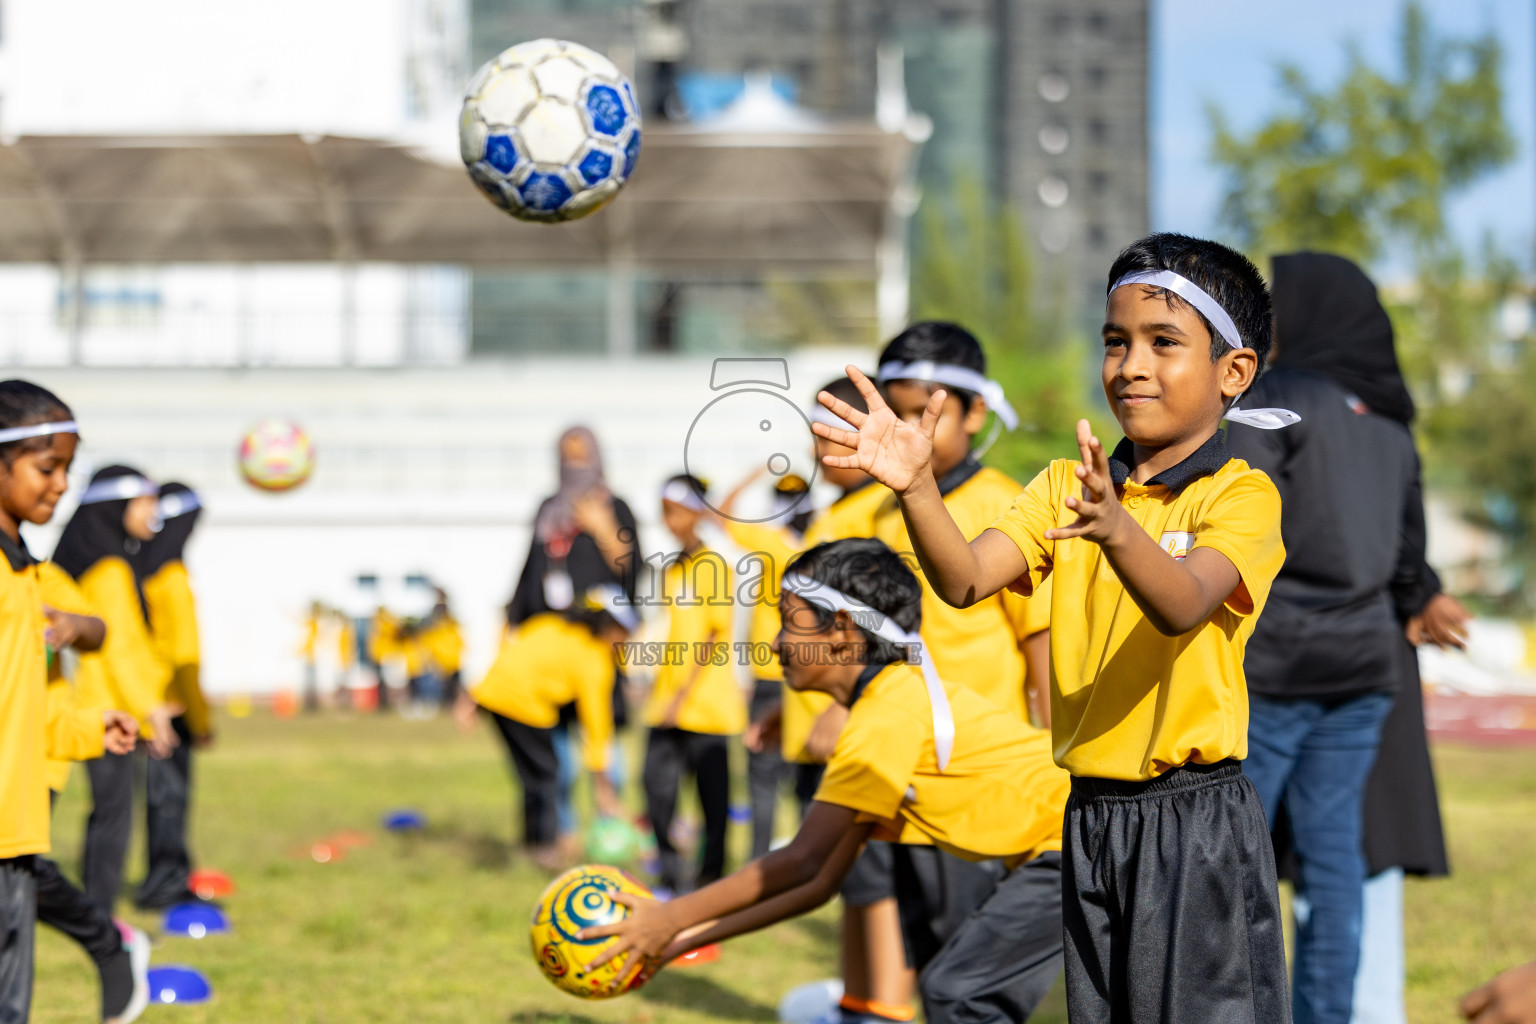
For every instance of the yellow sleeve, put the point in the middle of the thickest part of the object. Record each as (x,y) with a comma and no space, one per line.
(187,690)
(61,592)
(594,673)
(72,733)
(140,676)
(874,760)
(1034,511)
(1243,523)
(722,606)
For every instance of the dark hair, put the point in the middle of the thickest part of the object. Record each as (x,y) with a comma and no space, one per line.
(848,391)
(22,404)
(1225,274)
(869,572)
(596,620)
(939,342)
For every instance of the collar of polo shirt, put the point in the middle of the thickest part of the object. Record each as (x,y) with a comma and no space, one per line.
(1203,461)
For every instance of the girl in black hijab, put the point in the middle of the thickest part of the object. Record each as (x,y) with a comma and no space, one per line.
(172,615)
(118,513)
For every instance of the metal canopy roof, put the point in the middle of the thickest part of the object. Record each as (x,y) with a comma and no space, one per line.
(698,200)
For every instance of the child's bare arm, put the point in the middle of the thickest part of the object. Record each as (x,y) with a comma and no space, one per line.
(1176,596)
(896,453)
(651,926)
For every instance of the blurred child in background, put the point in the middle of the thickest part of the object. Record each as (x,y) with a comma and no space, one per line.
(695,704)
(168,599)
(445,645)
(118,513)
(555,659)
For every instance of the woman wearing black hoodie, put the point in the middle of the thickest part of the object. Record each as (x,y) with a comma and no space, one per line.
(1325,660)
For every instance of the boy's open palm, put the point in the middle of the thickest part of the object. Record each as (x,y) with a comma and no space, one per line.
(888,448)
(1099,513)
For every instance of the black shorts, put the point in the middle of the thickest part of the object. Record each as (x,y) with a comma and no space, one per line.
(870,880)
(1170,902)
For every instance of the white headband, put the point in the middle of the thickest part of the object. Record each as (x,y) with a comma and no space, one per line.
(821,414)
(118,488)
(38,430)
(955,377)
(679,492)
(179,503)
(1184,288)
(609,598)
(880,624)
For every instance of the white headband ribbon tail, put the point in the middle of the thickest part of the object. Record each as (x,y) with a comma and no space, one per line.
(179,503)
(612,600)
(118,488)
(821,414)
(1184,288)
(878,623)
(955,377)
(38,430)
(678,492)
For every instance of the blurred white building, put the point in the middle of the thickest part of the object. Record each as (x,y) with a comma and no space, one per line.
(432,458)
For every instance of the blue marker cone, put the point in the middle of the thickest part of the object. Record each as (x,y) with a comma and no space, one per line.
(404,821)
(177,984)
(195,920)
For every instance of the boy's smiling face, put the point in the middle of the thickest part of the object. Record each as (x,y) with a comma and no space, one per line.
(1158,375)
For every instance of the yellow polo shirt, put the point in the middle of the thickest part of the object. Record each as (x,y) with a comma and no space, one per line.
(999,796)
(551,663)
(980,646)
(1128,702)
(697,589)
(34,725)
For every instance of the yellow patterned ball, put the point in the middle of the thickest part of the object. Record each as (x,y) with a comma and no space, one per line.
(580,899)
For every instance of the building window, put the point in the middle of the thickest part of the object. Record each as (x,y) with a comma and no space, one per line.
(1098,24)
(1097,75)
(1059,22)
(1097,236)
(1098,183)
(1098,131)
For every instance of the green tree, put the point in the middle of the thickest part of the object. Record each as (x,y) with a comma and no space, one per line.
(973,267)
(1365,168)
(1371,161)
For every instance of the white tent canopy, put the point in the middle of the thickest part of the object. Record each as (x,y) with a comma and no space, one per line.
(745,201)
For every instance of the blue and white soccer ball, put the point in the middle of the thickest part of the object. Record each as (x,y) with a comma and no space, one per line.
(550,130)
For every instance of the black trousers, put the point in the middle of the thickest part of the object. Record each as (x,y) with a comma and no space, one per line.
(533,758)
(936,892)
(670,754)
(1170,903)
(167,795)
(1003,957)
(765,770)
(108,828)
(18,916)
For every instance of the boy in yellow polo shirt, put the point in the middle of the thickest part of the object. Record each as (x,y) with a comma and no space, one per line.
(696,704)
(1162,556)
(919,757)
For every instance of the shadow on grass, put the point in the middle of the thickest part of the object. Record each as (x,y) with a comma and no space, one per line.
(700,994)
(820,929)
(549,1017)
(483,851)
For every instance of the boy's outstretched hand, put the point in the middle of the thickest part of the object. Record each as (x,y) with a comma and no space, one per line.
(888,448)
(1099,513)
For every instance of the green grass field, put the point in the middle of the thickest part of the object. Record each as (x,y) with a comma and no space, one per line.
(432,926)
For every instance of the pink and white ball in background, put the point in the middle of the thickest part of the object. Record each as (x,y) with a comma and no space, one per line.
(276,455)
